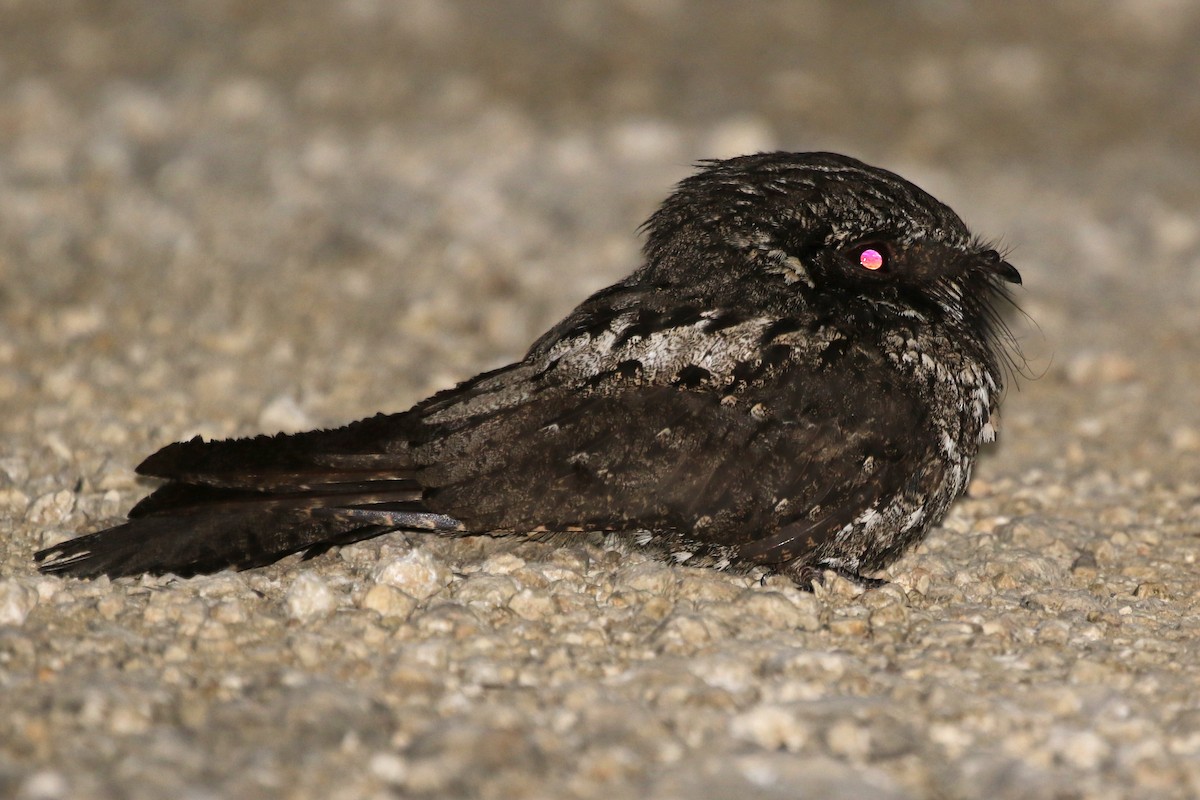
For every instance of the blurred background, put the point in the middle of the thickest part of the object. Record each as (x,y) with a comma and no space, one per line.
(342,206)
(231,216)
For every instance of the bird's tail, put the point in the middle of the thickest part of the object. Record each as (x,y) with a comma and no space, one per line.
(249,502)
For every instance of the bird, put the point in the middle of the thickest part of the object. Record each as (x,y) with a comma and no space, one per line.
(797,379)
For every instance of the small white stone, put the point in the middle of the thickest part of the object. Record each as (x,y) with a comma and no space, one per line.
(648,576)
(389,768)
(777,611)
(16,601)
(14,501)
(849,739)
(416,573)
(684,632)
(285,414)
(45,784)
(502,564)
(51,508)
(731,674)
(531,605)
(487,591)
(1082,749)
(388,601)
(772,727)
(310,598)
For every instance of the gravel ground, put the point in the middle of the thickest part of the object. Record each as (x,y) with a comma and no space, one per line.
(224,218)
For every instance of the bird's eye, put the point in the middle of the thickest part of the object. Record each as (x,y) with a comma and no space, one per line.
(872,259)
(873,256)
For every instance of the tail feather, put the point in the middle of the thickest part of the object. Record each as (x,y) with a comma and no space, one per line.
(249,502)
(284,462)
(206,542)
(173,498)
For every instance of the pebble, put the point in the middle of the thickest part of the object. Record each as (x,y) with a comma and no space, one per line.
(648,576)
(772,727)
(415,572)
(284,414)
(532,605)
(389,768)
(388,601)
(683,633)
(13,501)
(310,598)
(776,610)
(487,591)
(17,599)
(51,508)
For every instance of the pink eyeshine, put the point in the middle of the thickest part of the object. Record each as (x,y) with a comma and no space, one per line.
(871,259)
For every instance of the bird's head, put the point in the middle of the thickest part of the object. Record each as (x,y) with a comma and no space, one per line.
(788,231)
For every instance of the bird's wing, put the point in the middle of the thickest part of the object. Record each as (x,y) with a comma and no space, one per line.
(772,472)
(521,449)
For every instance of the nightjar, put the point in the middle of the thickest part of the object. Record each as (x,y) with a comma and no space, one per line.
(798,378)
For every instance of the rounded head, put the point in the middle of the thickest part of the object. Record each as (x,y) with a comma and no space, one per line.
(780,225)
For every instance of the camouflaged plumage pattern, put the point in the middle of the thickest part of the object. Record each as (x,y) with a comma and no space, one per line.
(751,396)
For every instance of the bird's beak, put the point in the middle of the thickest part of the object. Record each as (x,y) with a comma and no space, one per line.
(993,263)
(1007,272)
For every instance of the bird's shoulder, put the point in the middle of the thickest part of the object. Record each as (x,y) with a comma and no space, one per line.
(631,341)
